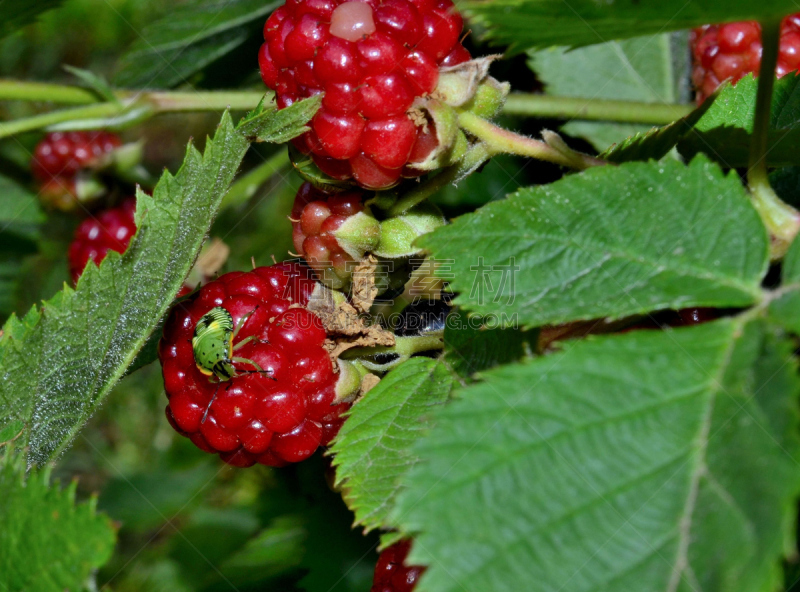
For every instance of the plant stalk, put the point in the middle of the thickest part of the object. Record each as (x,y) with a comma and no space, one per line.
(500,140)
(548,106)
(782,220)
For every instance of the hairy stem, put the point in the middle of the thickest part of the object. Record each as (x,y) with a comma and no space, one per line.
(132,107)
(521,104)
(544,106)
(500,140)
(782,220)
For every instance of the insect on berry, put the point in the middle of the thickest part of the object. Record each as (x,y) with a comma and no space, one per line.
(213,347)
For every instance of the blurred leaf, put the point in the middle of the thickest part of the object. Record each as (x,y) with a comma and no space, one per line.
(544,23)
(786,183)
(723,132)
(266,124)
(18,13)
(273,551)
(62,360)
(187,39)
(93,82)
(648,461)
(208,537)
(640,69)
(146,500)
(48,541)
(20,212)
(11,432)
(373,448)
(609,242)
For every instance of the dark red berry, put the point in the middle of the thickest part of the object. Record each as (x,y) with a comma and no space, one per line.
(278,408)
(110,230)
(64,154)
(733,50)
(371,59)
(59,159)
(391,572)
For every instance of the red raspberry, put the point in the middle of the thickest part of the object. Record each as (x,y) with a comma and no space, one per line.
(275,417)
(110,230)
(316,216)
(371,59)
(60,156)
(730,51)
(391,573)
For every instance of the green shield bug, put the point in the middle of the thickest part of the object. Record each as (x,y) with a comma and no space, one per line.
(213,347)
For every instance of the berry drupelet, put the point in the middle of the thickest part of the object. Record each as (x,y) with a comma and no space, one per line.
(391,573)
(372,59)
(733,50)
(277,408)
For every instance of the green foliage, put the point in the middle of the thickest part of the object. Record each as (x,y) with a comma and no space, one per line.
(187,39)
(609,242)
(372,451)
(642,461)
(48,542)
(722,127)
(724,131)
(63,363)
(642,69)
(17,13)
(266,124)
(543,23)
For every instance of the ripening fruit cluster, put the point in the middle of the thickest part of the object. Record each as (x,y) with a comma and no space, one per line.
(733,50)
(372,60)
(278,408)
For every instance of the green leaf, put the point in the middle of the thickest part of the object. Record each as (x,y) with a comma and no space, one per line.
(49,542)
(11,432)
(187,39)
(266,124)
(20,212)
(640,69)
(723,132)
(649,461)
(544,23)
(59,363)
(93,82)
(372,451)
(784,310)
(18,13)
(608,242)
(656,142)
(275,550)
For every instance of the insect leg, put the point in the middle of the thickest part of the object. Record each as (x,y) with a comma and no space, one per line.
(208,407)
(258,370)
(241,323)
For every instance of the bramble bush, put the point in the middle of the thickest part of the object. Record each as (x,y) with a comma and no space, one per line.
(527,330)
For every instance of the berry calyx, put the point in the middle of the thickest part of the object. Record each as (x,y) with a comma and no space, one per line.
(733,50)
(372,60)
(277,408)
(110,230)
(332,231)
(391,572)
(61,159)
